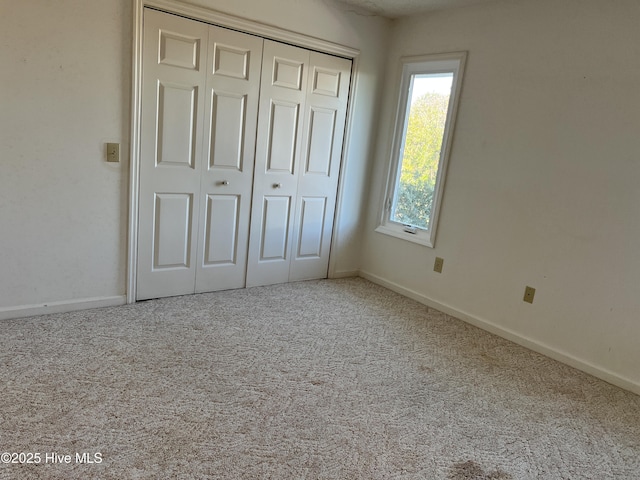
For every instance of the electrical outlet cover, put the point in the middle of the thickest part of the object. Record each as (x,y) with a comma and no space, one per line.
(529,293)
(113,152)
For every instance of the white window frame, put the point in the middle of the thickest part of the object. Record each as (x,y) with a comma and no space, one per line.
(424,64)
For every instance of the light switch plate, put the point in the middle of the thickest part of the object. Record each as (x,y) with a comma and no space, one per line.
(113,152)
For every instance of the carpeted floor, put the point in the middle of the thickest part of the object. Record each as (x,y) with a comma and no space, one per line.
(331,379)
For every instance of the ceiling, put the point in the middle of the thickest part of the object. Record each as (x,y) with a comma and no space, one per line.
(400,8)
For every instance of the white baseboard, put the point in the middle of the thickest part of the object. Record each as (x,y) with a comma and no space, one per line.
(596,371)
(345,274)
(61,307)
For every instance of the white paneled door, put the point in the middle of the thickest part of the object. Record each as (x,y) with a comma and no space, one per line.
(200,91)
(231,106)
(303,103)
(278,156)
(174,63)
(241,141)
(324,121)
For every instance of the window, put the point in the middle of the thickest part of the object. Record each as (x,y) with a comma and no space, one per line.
(429,90)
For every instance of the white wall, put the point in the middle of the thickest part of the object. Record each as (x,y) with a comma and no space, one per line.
(542,187)
(65,90)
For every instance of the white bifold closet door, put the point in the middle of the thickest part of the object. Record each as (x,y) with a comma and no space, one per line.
(200,91)
(303,104)
(217,106)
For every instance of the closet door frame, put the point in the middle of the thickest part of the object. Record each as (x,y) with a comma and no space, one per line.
(227,21)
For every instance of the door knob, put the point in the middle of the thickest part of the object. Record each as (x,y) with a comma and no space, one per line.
(277,185)
(224,182)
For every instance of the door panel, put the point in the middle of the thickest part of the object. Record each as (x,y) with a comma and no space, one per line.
(327,81)
(170,152)
(278,154)
(227,130)
(172,232)
(311,226)
(300,132)
(233,86)
(176,123)
(177,50)
(231,61)
(221,242)
(283,137)
(287,72)
(322,126)
(275,228)
(325,115)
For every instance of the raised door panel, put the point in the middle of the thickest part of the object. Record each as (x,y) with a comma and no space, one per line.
(283,137)
(322,125)
(327,81)
(176,122)
(233,61)
(221,232)
(278,157)
(275,228)
(288,69)
(228,127)
(172,232)
(324,122)
(174,53)
(179,50)
(311,227)
(232,92)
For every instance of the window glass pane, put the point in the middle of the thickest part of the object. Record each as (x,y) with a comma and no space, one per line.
(427,106)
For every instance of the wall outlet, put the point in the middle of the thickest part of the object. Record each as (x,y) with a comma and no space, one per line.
(113,152)
(529,293)
(438,264)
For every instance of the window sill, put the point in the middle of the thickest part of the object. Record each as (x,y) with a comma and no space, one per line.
(421,238)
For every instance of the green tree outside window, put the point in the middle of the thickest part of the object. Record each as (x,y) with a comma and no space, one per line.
(421,150)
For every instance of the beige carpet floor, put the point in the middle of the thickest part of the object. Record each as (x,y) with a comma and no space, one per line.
(332,379)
